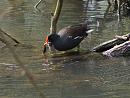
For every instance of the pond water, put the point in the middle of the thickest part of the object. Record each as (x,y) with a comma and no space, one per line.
(63,75)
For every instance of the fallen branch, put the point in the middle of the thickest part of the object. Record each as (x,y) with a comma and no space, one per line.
(109,44)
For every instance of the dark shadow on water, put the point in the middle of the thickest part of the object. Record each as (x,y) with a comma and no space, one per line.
(84,54)
(72,60)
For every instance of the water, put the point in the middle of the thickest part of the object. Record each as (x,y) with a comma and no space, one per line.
(69,75)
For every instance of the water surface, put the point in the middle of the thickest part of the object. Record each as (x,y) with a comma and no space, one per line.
(69,75)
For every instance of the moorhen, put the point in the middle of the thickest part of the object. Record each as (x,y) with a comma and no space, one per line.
(68,37)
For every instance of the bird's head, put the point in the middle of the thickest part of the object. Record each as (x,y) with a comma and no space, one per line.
(49,41)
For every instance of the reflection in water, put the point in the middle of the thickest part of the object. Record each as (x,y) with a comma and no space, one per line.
(83,74)
(21,64)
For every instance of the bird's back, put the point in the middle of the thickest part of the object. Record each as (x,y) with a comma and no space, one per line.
(74,30)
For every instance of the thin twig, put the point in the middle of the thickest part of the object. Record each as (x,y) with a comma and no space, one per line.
(38,3)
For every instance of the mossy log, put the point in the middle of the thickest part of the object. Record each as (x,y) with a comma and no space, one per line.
(109,44)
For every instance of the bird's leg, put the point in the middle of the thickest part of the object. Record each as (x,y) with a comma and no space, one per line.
(51,48)
(78,48)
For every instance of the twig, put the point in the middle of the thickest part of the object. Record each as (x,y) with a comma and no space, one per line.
(55,17)
(38,3)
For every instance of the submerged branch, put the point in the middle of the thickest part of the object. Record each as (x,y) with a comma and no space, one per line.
(16,41)
(21,64)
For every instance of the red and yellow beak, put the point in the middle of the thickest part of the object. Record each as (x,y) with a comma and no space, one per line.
(46,43)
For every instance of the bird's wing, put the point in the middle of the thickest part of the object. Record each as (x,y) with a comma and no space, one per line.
(76,37)
(75,31)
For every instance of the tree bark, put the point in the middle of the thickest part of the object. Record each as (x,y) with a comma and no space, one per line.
(119,50)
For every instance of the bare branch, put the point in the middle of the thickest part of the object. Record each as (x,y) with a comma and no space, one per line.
(56,15)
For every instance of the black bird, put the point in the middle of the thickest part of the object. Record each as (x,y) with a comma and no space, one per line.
(68,37)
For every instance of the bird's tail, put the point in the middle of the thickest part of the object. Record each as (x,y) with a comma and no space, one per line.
(89,31)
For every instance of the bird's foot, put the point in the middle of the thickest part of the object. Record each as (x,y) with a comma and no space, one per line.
(78,48)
